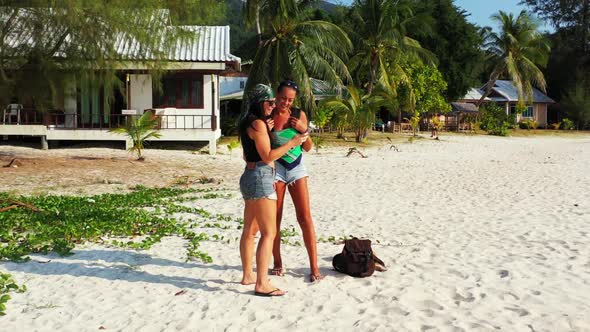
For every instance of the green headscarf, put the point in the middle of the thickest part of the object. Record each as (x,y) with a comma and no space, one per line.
(261,93)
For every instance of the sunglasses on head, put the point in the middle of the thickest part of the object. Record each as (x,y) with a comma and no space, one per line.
(290,84)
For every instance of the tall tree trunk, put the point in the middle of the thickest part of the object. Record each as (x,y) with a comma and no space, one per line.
(489,85)
(585,28)
(373,72)
(258,30)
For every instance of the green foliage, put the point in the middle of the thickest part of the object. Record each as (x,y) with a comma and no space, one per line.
(293,46)
(494,120)
(7,285)
(380,30)
(428,87)
(567,124)
(414,122)
(69,42)
(528,124)
(354,110)
(455,42)
(516,52)
(576,104)
(321,117)
(139,129)
(65,221)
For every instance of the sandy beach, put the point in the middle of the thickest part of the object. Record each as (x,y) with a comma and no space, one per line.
(479,233)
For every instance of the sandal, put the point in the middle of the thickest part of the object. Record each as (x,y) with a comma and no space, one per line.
(274,292)
(278,271)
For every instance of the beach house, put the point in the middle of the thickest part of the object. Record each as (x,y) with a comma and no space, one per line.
(504,94)
(186,102)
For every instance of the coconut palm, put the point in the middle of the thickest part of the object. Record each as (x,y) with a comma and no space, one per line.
(139,130)
(381,31)
(293,47)
(516,52)
(358,110)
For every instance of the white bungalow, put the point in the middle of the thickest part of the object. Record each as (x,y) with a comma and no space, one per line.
(187,107)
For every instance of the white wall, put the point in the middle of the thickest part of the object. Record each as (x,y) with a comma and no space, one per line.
(140,92)
(228,85)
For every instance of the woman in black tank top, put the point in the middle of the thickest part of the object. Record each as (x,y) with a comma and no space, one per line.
(257,187)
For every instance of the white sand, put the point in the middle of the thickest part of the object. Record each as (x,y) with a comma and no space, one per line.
(479,233)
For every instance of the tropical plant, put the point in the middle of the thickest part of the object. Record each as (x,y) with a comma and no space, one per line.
(516,51)
(321,117)
(8,285)
(567,124)
(46,45)
(494,120)
(380,30)
(292,46)
(414,122)
(358,110)
(576,104)
(456,44)
(139,129)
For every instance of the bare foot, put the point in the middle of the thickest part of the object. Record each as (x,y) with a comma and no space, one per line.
(278,271)
(316,277)
(248,279)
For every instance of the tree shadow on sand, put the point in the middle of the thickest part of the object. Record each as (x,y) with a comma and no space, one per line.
(125,266)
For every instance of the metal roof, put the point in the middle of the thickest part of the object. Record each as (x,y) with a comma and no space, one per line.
(209,43)
(474,94)
(508,90)
(505,91)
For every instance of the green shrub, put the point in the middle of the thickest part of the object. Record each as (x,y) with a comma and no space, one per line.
(567,124)
(495,121)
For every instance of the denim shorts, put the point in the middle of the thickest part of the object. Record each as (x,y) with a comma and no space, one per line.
(289,176)
(258,182)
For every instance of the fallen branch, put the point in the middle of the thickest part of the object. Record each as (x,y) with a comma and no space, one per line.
(353,150)
(14,162)
(15,204)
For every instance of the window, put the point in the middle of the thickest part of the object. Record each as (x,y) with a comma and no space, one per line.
(242,85)
(528,113)
(181,91)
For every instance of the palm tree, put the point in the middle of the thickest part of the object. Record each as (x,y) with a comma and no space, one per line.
(356,109)
(139,130)
(381,32)
(291,46)
(516,52)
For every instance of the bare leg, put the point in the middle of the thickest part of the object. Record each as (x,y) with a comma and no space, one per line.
(247,243)
(300,195)
(266,210)
(280,188)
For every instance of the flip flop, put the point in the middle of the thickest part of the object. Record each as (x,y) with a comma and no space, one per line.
(269,294)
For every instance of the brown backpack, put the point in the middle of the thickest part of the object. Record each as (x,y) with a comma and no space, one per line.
(357,258)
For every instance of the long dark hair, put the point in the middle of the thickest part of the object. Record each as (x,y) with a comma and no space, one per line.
(255,112)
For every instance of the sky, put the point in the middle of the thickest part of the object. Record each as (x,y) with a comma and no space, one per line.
(481,10)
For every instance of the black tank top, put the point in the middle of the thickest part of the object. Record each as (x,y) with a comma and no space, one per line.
(249,148)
